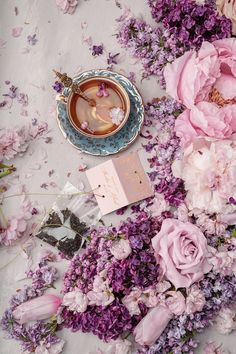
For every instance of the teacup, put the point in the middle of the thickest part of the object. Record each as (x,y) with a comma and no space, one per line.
(85,118)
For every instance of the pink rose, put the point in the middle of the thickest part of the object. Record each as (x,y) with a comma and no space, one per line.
(175,302)
(181,250)
(121,249)
(228,9)
(67,6)
(206,119)
(208,169)
(195,300)
(152,325)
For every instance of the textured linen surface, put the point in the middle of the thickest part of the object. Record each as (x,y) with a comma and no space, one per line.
(59,46)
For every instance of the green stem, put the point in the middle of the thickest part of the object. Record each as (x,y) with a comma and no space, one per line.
(3,219)
(5,173)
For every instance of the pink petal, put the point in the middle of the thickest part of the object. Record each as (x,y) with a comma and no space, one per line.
(16,32)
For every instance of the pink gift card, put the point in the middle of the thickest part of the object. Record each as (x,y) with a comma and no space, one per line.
(119,182)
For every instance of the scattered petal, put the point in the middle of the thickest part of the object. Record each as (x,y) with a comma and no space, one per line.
(83,167)
(16,32)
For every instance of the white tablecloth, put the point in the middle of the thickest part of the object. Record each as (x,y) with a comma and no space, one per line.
(60,46)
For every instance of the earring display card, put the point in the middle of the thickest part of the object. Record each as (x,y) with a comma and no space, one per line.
(68,221)
(119,182)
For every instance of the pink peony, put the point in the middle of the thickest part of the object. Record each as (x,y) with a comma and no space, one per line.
(175,302)
(39,308)
(206,119)
(228,9)
(190,78)
(67,6)
(208,169)
(225,321)
(152,325)
(121,249)
(181,250)
(193,78)
(195,300)
(76,301)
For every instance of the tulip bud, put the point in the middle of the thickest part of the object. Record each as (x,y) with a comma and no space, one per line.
(39,308)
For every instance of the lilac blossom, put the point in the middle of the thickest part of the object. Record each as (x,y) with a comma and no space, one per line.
(97,50)
(154,47)
(190,22)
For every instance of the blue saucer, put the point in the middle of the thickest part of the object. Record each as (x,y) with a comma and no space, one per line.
(114,143)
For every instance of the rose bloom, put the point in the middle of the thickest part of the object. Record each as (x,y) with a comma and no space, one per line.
(208,169)
(181,250)
(192,77)
(228,9)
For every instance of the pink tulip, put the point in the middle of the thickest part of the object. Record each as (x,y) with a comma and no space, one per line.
(152,325)
(39,308)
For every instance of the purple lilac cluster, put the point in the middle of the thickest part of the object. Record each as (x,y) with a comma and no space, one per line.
(178,336)
(190,22)
(105,322)
(139,269)
(155,47)
(30,337)
(164,147)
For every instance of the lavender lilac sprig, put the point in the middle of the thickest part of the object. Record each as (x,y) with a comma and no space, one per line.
(155,47)
(178,336)
(30,337)
(164,147)
(190,22)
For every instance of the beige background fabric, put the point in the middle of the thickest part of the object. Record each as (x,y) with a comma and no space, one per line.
(61,45)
